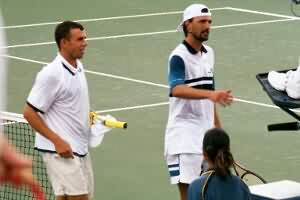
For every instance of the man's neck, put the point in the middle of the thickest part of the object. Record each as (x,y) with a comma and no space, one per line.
(196,44)
(68,58)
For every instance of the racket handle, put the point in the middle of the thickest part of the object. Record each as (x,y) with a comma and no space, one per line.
(108,122)
(289,126)
(115,124)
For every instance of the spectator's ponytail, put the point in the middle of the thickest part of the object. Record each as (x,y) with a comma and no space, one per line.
(223,162)
(216,146)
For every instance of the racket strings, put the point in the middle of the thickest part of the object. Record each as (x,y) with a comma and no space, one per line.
(249,177)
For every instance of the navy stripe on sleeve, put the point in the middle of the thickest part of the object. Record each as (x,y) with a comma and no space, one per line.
(199,79)
(176,71)
(35,108)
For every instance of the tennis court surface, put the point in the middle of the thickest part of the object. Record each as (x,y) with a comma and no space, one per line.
(126,68)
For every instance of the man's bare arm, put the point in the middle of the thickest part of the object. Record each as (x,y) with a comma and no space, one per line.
(223,97)
(37,123)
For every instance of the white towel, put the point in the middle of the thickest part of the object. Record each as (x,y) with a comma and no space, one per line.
(293,84)
(289,82)
(98,130)
(277,80)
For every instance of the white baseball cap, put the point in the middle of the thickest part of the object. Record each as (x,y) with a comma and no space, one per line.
(194,10)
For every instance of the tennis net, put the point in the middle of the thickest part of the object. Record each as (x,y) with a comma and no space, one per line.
(19,133)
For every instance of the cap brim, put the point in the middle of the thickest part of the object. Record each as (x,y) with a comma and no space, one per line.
(179,27)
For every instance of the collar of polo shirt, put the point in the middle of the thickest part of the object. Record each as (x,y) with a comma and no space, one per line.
(192,50)
(70,67)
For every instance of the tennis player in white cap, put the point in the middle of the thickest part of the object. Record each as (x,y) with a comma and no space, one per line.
(192,109)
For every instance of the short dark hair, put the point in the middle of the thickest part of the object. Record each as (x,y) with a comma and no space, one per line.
(62,30)
(184,28)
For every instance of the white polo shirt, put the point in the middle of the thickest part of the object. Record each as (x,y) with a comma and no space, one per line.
(189,119)
(60,94)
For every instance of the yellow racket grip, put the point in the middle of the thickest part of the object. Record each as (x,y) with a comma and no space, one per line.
(92,117)
(115,124)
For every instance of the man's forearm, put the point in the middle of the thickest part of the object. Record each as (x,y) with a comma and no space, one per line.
(217,119)
(183,91)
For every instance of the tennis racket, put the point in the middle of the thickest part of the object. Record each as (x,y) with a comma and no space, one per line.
(249,177)
(110,122)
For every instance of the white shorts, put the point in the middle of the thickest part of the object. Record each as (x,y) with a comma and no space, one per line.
(184,168)
(69,176)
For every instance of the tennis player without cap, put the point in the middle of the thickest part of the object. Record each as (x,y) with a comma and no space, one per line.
(192,109)
(58,109)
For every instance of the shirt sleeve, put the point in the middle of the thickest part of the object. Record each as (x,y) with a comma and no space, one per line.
(43,92)
(176,71)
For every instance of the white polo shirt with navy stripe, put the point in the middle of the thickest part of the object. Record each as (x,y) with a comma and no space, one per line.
(60,94)
(189,119)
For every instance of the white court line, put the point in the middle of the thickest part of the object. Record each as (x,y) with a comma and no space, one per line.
(126,78)
(262,13)
(133,107)
(25,59)
(145,15)
(253,23)
(146,83)
(102,19)
(152,33)
(132,35)
(92,72)
(167,103)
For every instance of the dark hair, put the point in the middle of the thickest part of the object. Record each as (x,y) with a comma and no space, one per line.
(184,28)
(62,30)
(216,145)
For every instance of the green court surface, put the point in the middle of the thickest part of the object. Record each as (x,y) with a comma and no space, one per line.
(127,62)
